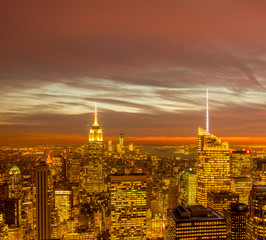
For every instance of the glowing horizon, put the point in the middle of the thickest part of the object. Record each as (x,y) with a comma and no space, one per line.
(78,139)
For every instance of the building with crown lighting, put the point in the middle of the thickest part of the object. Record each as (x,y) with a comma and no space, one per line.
(128,206)
(15,181)
(213,165)
(195,222)
(92,178)
(95,144)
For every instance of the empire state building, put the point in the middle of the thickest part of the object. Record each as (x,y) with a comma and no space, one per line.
(95,136)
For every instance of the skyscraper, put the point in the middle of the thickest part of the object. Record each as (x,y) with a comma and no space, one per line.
(213,164)
(13,212)
(189,178)
(95,136)
(219,200)
(236,221)
(63,204)
(128,206)
(256,215)
(43,218)
(15,185)
(241,186)
(195,222)
(240,163)
(121,141)
(92,178)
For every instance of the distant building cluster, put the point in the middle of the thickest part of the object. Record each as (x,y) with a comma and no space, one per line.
(117,191)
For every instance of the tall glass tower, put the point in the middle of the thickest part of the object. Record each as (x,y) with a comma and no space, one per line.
(213,165)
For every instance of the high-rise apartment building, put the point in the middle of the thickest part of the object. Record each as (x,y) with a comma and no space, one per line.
(213,165)
(219,200)
(236,221)
(128,206)
(195,222)
(43,208)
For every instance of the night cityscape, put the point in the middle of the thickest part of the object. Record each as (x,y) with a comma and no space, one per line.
(133,120)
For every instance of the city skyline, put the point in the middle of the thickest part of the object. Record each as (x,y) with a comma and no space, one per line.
(147,67)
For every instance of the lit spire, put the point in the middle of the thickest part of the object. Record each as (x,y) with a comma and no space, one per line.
(95,116)
(207,113)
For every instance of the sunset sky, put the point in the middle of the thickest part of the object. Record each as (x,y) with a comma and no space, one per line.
(147,64)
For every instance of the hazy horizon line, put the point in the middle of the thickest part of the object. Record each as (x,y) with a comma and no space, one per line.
(79,139)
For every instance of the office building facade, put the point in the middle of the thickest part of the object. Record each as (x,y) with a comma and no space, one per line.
(128,206)
(213,165)
(219,200)
(235,216)
(193,223)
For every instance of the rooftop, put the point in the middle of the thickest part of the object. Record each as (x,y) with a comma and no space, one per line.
(210,215)
(222,193)
(130,177)
(14,170)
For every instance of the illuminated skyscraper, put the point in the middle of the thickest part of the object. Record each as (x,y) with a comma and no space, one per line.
(256,216)
(92,178)
(195,222)
(128,207)
(121,140)
(110,146)
(236,221)
(63,204)
(43,218)
(95,136)
(15,182)
(189,178)
(219,200)
(240,163)
(213,164)
(241,186)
